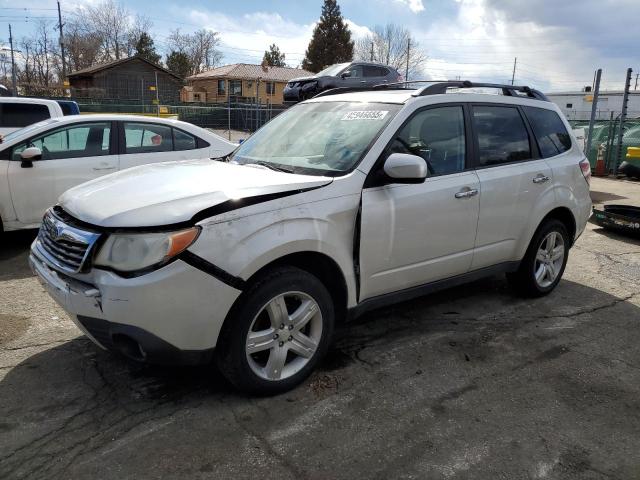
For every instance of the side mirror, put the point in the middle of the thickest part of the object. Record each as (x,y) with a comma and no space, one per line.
(346,74)
(28,155)
(405,168)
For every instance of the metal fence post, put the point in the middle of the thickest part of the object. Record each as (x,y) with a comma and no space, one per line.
(594,107)
(623,117)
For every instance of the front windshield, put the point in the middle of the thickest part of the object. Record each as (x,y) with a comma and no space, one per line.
(332,70)
(317,138)
(18,133)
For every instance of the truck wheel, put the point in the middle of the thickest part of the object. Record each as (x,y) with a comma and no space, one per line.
(543,265)
(278,333)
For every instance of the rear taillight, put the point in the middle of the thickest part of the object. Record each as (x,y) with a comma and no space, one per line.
(585,167)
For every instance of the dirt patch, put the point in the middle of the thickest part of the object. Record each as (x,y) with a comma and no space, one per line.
(12,327)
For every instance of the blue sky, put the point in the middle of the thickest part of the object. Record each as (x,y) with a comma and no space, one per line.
(558,43)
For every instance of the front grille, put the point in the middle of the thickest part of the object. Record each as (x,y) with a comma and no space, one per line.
(64,245)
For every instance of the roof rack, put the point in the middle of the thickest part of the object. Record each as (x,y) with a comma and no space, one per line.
(507,90)
(440,87)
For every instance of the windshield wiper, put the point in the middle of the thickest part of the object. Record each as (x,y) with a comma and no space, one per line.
(271,166)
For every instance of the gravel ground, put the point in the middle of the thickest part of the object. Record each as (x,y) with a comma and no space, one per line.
(470,383)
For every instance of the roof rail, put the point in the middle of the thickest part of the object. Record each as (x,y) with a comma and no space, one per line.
(441,87)
(507,90)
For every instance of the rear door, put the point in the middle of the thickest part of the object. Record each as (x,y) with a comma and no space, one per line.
(70,156)
(375,75)
(419,233)
(514,181)
(146,142)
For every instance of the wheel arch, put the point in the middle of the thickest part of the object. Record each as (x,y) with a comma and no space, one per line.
(564,215)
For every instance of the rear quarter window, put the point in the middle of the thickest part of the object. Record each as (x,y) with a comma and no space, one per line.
(549,130)
(22,114)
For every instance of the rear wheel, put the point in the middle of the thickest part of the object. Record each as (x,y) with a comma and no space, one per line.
(544,263)
(278,334)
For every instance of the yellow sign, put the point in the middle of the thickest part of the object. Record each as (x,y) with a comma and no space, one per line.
(164,110)
(66,83)
(588,98)
(152,88)
(154,101)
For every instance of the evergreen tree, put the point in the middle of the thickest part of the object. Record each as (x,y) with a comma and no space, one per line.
(179,63)
(145,48)
(273,57)
(331,41)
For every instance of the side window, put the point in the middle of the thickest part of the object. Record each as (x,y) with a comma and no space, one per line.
(437,135)
(502,135)
(147,137)
(356,71)
(549,130)
(22,114)
(222,87)
(235,87)
(183,140)
(373,71)
(85,140)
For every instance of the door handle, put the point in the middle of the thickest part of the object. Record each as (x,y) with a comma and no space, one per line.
(467,192)
(103,168)
(540,178)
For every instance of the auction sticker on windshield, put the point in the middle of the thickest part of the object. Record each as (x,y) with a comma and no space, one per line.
(365,115)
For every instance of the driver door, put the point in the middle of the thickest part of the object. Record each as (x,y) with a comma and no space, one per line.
(70,156)
(413,234)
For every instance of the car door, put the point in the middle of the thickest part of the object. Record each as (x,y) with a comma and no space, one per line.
(415,234)
(514,181)
(374,75)
(355,78)
(71,155)
(147,142)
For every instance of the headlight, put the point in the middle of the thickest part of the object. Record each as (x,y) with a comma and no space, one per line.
(136,251)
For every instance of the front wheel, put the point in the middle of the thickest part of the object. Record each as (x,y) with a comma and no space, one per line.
(278,333)
(544,263)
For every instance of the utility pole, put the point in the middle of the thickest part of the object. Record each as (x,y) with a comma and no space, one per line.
(513,76)
(371,59)
(64,62)
(406,74)
(623,118)
(13,65)
(636,87)
(594,107)
(157,96)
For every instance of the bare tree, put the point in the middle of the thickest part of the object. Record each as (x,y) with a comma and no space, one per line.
(83,46)
(201,47)
(111,22)
(141,25)
(388,44)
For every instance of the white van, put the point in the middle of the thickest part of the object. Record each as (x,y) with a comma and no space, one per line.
(17,112)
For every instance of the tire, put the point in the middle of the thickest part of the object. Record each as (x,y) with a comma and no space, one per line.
(278,358)
(538,275)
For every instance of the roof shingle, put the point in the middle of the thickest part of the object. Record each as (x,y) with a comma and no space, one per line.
(244,71)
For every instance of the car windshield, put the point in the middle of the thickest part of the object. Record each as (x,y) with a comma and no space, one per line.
(331,70)
(317,138)
(25,130)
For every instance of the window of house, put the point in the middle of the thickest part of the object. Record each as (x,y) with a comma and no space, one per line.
(183,140)
(235,87)
(22,114)
(549,130)
(437,135)
(271,88)
(86,140)
(502,135)
(569,105)
(222,87)
(196,97)
(147,137)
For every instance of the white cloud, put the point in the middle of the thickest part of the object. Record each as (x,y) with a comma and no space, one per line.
(414,5)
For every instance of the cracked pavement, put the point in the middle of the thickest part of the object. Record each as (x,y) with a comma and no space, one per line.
(471,383)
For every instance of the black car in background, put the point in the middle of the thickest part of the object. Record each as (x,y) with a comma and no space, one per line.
(353,74)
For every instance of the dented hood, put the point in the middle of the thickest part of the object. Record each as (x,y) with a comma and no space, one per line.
(172,192)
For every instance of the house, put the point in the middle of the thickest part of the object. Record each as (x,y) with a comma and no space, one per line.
(240,80)
(132,78)
(576,105)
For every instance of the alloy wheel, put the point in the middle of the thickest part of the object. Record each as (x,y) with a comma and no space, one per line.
(549,259)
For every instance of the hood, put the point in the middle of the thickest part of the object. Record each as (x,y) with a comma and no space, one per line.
(303,79)
(172,192)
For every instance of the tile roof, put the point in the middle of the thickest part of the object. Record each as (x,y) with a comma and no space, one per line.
(244,71)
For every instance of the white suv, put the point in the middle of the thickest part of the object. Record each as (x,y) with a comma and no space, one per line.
(345,202)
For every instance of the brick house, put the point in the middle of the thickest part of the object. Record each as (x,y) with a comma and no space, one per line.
(240,80)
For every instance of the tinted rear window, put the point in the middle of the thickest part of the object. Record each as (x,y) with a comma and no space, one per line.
(18,115)
(549,130)
(502,135)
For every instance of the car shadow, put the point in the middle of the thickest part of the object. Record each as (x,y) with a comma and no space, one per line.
(75,394)
(14,252)
(633,239)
